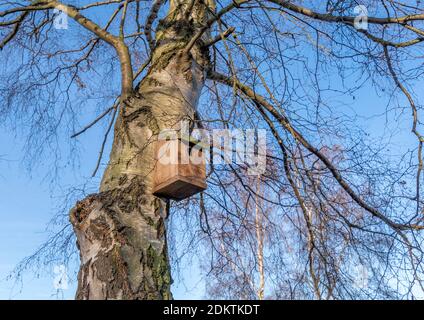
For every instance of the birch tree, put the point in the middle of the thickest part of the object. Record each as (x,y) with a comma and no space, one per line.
(229,64)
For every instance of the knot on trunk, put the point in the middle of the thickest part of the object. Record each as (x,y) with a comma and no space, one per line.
(82,209)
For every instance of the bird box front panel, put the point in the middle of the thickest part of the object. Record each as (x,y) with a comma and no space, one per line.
(178,175)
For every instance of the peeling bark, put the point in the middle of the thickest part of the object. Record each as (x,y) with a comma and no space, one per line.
(121,231)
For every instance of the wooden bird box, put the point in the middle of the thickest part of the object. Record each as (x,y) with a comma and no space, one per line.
(180,169)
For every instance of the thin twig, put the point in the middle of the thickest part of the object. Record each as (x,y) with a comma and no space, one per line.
(99,159)
(92,123)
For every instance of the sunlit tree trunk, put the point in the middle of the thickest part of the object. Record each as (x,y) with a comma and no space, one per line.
(121,231)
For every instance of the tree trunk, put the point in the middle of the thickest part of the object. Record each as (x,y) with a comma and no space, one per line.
(121,231)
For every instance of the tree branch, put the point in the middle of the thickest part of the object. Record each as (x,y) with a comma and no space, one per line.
(261,101)
(351,19)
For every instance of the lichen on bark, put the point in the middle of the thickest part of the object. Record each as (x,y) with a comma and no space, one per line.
(121,231)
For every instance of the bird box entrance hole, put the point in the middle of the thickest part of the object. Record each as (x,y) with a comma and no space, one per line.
(180,169)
